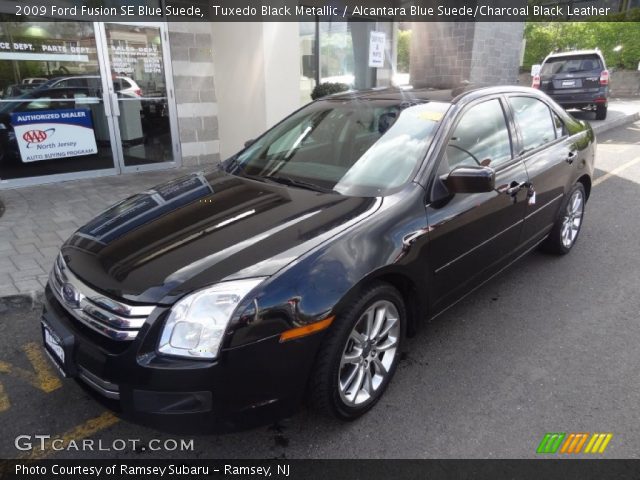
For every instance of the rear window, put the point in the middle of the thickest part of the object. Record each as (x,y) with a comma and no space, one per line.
(574,64)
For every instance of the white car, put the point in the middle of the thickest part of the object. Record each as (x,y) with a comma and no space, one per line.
(124,85)
(33,81)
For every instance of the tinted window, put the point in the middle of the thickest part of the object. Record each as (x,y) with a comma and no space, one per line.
(352,147)
(581,63)
(534,119)
(561,131)
(481,137)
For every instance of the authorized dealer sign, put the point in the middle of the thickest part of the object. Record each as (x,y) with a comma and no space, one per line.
(51,134)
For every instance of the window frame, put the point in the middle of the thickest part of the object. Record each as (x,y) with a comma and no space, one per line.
(520,143)
(509,123)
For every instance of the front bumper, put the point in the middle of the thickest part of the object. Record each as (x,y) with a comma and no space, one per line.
(246,386)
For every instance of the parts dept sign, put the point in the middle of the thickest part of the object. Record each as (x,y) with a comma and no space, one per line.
(51,134)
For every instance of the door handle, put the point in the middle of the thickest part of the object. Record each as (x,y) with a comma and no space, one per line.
(514,187)
(571,157)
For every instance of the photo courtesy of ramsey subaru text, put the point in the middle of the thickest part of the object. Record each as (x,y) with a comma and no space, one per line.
(293,271)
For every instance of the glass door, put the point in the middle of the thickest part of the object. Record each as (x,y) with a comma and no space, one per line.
(52,111)
(139,90)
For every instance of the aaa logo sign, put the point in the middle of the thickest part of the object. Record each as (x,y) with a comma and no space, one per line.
(37,136)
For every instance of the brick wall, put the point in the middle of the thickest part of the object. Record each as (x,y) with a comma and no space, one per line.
(193,77)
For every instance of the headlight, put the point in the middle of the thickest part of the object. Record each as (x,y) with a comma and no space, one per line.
(196,323)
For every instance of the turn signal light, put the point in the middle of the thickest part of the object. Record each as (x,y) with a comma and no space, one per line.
(306,330)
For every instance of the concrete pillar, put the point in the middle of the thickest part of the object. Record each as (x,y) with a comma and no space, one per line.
(443,55)
(257,75)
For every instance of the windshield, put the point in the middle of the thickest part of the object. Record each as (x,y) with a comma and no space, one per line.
(581,63)
(355,147)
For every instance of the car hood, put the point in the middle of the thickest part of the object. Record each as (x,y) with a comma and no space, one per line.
(201,229)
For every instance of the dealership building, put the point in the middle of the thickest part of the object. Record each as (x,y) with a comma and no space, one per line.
(89,99)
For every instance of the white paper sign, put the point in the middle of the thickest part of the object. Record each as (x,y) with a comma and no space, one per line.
(47,135)
(376,49)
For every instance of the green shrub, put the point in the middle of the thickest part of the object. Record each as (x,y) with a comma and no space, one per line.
(544,37)
(328,88)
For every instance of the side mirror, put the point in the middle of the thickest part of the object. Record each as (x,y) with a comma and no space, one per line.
(471,180)
(249,142)
(535,70)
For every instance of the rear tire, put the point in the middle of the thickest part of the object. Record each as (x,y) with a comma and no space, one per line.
(565,231)
(601,112)
(360,354)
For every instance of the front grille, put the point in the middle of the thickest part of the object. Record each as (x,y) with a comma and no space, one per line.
(112,318)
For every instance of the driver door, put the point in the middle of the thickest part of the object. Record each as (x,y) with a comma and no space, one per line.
(474,235)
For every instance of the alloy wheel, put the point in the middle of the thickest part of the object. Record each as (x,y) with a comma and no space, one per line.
(572,219)
(369,353)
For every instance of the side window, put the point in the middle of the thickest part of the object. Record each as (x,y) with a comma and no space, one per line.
(561,130)
(534,120)
(480,138)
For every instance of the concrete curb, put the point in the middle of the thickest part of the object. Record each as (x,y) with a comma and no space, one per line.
(34,297)
(31,301)
(618,122)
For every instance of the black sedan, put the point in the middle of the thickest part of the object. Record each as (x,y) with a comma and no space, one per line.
(295,269)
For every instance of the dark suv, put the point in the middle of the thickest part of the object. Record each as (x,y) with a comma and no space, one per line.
(577,79)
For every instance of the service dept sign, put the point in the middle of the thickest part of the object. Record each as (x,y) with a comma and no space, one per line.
(51,134)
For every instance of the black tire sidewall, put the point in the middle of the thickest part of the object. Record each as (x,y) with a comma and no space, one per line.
(346,323)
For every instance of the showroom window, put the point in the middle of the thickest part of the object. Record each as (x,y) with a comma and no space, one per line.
(343,52)
(82,97)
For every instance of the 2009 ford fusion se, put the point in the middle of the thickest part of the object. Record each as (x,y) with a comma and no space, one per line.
(295,269)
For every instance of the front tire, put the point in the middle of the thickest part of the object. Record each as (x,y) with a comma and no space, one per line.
(360,354)
(565,231)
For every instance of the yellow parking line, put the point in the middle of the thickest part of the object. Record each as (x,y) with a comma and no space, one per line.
(5,404)
(615,171)
(42,377)
(82,431)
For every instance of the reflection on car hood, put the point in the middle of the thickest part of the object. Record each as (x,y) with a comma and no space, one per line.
(201,229)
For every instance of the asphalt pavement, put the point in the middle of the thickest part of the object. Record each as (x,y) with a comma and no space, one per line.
(551,345)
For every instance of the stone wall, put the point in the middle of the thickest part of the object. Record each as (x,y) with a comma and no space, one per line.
(193,77)
(443,55)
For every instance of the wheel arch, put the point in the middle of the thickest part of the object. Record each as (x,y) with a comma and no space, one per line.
(415,306)
(585,180)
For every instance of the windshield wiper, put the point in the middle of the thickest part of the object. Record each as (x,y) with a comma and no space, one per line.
(293,182)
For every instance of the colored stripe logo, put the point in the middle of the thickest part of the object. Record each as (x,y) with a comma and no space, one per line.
(574,443)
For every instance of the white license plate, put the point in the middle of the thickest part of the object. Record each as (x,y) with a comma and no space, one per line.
(568,83)
(53,344)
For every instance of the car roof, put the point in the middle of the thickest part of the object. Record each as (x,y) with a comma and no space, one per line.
(573,53)
(462,94)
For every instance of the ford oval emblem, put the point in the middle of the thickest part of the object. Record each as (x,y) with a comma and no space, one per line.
(70,295)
